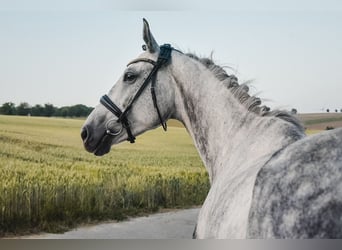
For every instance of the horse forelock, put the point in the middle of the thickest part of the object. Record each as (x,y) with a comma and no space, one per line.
(241,92)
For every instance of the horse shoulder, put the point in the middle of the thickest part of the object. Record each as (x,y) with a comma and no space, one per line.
(298,193)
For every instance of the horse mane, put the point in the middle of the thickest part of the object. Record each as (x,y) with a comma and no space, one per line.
(240,91)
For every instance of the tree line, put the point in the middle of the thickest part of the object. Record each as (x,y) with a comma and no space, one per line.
(48,110)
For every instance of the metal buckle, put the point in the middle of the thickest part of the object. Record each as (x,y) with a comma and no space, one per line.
(110,132)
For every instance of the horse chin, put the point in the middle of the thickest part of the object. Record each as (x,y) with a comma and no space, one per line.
(102,149)
(104,146)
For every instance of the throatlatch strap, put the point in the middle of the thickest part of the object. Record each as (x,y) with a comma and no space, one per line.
(155,103)
(163,58)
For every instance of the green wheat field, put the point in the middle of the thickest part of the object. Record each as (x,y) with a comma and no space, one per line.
(48,182)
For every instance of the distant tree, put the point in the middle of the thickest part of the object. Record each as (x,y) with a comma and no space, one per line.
(49,109)
(328,110)
(293,111)
(341,110)
(63,111)
(79,110)
(37,110)
(23,109)
(8,108)
(336,110)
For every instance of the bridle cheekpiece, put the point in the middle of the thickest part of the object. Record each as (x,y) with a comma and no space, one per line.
(163,58)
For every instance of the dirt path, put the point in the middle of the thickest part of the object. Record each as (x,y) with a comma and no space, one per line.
(170,225)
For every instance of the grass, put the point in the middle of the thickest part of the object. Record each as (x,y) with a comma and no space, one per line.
(50,183)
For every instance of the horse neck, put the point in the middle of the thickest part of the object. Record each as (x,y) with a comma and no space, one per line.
(223,130)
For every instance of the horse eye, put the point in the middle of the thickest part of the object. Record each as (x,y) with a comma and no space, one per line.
(130,77)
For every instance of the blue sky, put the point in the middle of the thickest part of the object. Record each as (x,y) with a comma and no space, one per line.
(74,51)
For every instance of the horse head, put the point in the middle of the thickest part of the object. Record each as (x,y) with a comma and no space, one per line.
(129,109)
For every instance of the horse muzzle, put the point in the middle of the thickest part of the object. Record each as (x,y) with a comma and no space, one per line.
(98,146)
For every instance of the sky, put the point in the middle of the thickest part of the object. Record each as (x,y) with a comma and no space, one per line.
(71,52)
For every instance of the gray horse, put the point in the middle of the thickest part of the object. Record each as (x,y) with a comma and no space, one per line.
(268,180)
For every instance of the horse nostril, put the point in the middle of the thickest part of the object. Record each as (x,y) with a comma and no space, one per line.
(84,134)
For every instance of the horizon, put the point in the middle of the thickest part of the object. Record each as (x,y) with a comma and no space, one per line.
(331,111)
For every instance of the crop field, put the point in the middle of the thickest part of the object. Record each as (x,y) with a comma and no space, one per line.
(48,182)
(320,121)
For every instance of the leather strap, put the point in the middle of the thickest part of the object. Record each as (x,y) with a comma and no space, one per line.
(142,60)
(107,102)
(163,59)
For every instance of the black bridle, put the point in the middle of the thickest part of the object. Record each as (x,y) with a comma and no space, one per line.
(163,58)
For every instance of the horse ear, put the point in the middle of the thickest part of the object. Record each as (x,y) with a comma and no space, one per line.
(151,43)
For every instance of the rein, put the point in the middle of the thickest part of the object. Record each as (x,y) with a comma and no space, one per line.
(163,58)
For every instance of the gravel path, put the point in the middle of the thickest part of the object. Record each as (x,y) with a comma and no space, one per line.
(170,225)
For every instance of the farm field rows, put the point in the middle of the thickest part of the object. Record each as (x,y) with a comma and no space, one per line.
(50,183)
